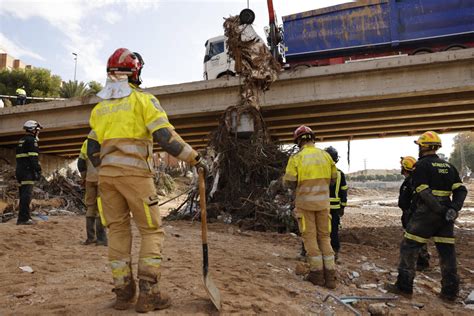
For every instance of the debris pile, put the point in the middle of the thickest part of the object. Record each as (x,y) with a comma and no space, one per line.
(244,182)
(164,183)
(61,195)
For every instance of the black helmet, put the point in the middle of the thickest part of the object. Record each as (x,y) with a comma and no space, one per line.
(333,153)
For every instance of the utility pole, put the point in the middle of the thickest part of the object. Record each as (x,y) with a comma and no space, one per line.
(75,65)
(365,165)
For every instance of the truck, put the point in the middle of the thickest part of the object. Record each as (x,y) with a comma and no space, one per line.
(359,31)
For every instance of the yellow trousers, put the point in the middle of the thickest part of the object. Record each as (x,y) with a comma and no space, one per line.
(121,196)
(314,229)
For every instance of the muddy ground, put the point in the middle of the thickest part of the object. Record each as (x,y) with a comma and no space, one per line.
(255,271)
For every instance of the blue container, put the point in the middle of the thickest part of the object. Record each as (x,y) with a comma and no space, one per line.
(376,25)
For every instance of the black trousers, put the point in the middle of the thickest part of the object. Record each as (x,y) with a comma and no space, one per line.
(26,193)
(423,225)
(335,221)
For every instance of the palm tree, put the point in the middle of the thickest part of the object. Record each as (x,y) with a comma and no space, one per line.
(73,89)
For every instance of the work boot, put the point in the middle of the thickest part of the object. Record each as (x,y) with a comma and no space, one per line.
(316,277)
(330,278)
(101,233)
(28,222)
(151,298)
(393,288)
(447,297)
(125,296)
(90,230)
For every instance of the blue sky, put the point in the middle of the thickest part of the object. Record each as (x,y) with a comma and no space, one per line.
(169,34)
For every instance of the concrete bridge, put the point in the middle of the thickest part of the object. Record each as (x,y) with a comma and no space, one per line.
(378,98)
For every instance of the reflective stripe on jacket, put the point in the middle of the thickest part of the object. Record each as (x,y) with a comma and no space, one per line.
(312,169)
(338,191)
(124,127)
(92,174)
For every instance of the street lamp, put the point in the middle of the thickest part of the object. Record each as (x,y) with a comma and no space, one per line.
(75,65)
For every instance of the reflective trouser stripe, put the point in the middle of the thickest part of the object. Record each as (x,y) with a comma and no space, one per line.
(444,240)
(330,223)
(335,206)
(303,224)
(415,238)
(27,182)
(127,161)
(456,185)
(101,212)
(148,216)
(315,263)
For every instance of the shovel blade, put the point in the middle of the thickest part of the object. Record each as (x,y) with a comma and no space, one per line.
(212,291)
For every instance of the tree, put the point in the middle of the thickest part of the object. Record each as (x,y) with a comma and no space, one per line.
(73,89)
(94,87)
(38,82)
(465,142)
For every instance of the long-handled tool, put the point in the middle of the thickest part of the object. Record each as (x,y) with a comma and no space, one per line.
(211,288)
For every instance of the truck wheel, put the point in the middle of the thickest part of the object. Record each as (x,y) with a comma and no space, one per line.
(246,16)
(226,75)
(455,47)
(422,51)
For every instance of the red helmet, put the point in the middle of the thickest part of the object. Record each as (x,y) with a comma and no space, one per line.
(301,131)
(124,62)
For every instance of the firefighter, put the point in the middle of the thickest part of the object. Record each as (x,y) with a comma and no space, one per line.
(407,204)
(434,181)
(94,229)
(28,169)
(124,126)
(338,200)
(310,172)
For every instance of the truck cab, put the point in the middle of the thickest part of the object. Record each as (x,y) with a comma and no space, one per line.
(217,63)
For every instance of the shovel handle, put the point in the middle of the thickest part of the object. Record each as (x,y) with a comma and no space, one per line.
(202,204)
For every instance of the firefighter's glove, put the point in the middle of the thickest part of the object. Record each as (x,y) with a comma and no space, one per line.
(341,211)
(451,215)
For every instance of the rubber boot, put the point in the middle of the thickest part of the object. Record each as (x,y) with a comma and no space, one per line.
(316,277)
(90,229)
(151,298)
(101,233)
(330,278)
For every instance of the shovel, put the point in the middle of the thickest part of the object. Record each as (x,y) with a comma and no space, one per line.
(211,288)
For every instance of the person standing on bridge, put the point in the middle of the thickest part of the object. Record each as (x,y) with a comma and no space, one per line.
(21,96)
(408,206)
(124,126)
(94,229)
(434,181)
(310,172)
(28,169)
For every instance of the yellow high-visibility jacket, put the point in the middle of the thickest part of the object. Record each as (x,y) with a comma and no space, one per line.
(20,91)
(312,169)
(124,127)
(91,173)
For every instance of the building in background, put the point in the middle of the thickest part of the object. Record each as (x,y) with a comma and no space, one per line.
(9,62)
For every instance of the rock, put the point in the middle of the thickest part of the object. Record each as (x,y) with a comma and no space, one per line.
(302,268)
(469,306)
(293,235)
(390,304)
(418,305)
(368,286)
(363,258)
(355,274)
(470,298)
(378,309)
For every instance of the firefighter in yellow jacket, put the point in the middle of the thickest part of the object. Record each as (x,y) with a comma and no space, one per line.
(311,171)
(124,126)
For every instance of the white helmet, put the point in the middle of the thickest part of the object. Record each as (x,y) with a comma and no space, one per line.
(32,126)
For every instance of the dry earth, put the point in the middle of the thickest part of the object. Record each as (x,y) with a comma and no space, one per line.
(254,271)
